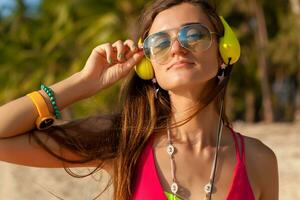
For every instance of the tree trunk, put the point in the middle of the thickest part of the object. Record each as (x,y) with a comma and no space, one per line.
(297,100)
(250,110)
(261,38)
(295,7)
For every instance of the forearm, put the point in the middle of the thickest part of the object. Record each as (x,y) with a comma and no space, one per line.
(18,116)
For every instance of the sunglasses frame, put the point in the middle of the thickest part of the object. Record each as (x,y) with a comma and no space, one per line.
(173,38)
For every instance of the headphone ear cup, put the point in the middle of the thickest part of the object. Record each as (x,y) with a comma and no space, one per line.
(144,69)
(229,45)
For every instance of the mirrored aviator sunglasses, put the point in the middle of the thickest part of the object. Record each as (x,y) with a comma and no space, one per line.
(194,37)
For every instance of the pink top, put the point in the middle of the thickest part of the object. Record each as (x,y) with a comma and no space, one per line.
(147,185)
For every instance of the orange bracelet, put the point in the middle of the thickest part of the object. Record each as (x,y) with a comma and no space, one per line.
(45,119)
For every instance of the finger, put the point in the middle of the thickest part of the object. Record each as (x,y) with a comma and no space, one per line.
(98,55)
(131,45)
(133,48)
(120,50)
(99,51)
(122,69)
(132,61)
(109,52)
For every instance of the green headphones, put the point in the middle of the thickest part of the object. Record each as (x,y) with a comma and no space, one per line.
(229,49)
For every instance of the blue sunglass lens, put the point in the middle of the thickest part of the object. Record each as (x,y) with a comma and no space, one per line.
(195,37)
(156,44)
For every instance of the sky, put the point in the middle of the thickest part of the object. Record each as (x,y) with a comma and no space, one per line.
(6,6)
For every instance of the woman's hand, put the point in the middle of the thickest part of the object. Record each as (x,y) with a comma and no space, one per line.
(108,63)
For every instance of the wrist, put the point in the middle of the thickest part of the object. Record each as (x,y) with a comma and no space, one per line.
(89,87)
(67,92)
(79,88)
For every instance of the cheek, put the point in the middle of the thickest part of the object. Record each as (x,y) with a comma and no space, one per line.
(209,62)
(158,71)
(161,75)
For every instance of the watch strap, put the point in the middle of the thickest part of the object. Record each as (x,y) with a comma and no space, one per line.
(45,119)
(39,103)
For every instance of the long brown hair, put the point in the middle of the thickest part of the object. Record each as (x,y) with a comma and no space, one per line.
(122,136)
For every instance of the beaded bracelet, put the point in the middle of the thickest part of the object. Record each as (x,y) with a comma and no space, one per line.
(51,95)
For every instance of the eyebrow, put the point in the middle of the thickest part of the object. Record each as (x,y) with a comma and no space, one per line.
(190,23)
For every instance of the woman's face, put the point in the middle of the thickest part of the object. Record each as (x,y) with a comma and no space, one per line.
(184,69)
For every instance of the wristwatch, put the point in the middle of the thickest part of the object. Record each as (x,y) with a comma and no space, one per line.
(45,119)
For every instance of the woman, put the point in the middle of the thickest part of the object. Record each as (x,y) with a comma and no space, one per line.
(163,142)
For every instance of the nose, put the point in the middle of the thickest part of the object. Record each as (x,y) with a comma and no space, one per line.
(176,48)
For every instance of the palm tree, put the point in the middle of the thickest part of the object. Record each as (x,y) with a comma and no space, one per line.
(295,8)
(261,39)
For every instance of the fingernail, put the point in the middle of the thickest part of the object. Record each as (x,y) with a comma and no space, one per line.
(120,56)
(133,47)
(109,60)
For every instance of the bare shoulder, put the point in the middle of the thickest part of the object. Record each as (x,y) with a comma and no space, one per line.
(255,148)
(262,168)
(260,158)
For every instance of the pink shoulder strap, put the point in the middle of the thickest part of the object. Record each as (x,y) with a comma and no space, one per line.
(240,152)
(240,188)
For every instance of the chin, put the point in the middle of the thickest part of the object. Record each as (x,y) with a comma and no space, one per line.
(174,81)
(188,78)
(184,84)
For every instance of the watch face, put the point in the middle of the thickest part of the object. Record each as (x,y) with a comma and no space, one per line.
(46,123)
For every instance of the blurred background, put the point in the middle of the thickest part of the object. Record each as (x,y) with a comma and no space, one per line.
(45,41)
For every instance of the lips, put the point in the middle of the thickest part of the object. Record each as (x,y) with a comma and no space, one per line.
(180,63)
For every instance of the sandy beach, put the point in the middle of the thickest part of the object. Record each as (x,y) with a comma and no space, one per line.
(25,183)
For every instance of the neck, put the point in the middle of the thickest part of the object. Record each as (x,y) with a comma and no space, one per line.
(201,129)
